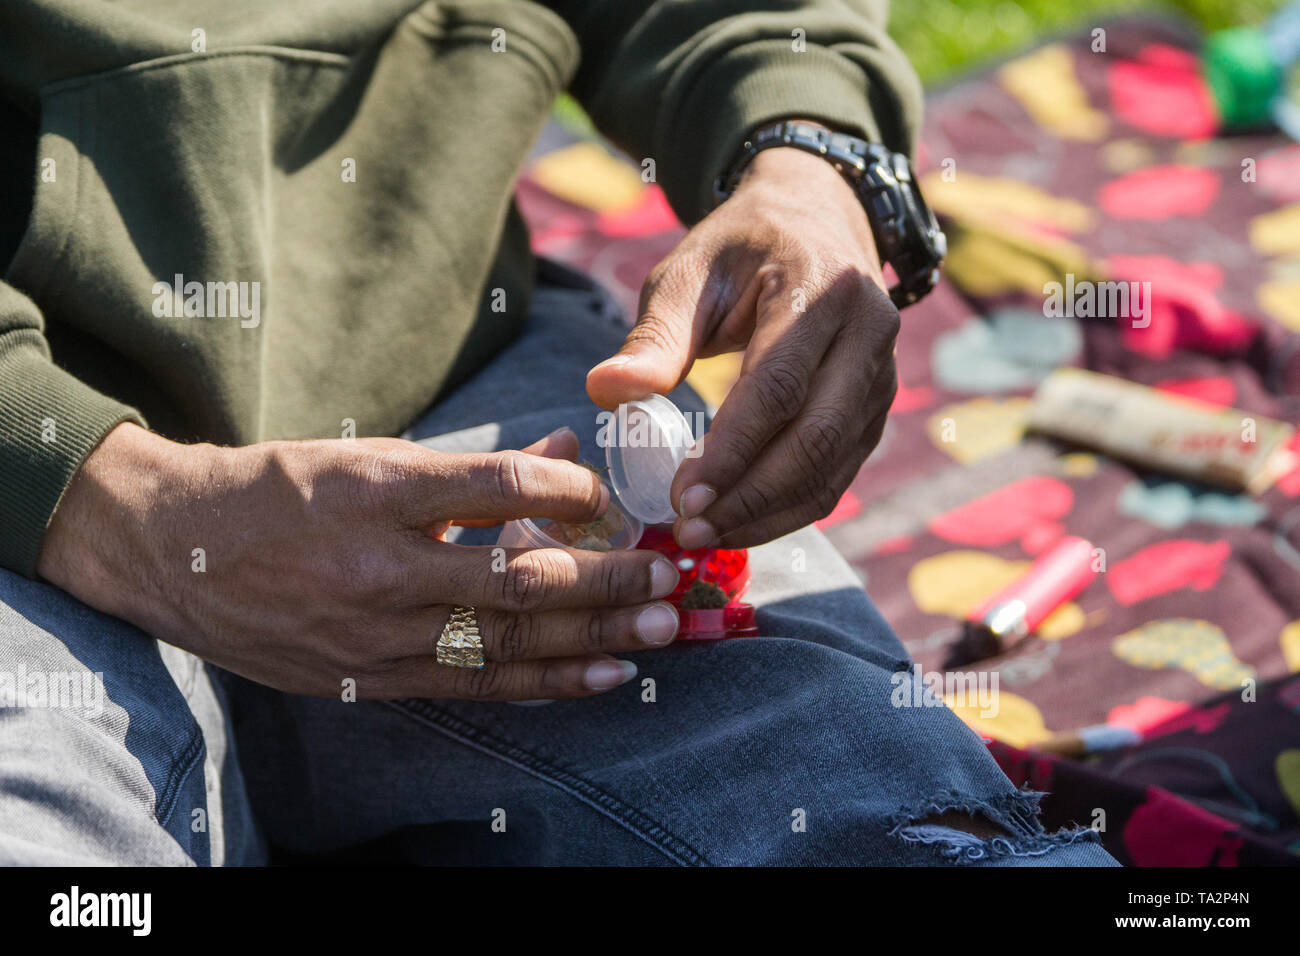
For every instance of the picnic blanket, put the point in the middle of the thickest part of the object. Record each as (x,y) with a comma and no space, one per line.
(1104,164)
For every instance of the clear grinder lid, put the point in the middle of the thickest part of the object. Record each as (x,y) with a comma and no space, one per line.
(645,443)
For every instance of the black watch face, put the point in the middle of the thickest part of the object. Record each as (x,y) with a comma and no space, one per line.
(928,226)
(922,226)
(907,233)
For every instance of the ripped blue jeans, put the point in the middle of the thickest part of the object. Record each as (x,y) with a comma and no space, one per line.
(778,749)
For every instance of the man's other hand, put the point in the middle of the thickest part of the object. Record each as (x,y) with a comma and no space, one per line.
(786,271)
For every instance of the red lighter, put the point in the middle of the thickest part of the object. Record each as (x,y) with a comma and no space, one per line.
(1010,615)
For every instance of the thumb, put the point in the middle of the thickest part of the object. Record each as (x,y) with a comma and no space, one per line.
(660,348)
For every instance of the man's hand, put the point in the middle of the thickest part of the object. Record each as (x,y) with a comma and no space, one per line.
(785,270)
(323,561)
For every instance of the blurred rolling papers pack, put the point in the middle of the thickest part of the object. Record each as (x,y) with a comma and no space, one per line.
(1219,446)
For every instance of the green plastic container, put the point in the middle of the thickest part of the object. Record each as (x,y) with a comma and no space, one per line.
(1243,76)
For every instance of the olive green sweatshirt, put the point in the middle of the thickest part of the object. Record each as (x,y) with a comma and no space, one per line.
(239,220)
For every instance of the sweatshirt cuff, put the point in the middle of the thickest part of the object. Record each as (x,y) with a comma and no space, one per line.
(754,84)
(49,422)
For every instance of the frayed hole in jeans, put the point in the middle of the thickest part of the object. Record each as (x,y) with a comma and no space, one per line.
(961,828)
(966,822)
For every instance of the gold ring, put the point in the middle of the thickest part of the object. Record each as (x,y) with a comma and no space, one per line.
(460,645)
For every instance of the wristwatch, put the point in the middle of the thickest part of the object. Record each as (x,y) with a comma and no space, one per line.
(907,235)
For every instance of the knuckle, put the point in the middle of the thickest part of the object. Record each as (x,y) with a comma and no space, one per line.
(881,324)
(523,583)
(775,277)
(653,330)
(591,633)
(352,658)
(362,482)
(756,499)
(872,436)
(554,680)
(485,683)
(889,322)
(511,474)
(731,453)
(363,572)
(817,444)
(891,387)
(781,388)
(516,637)
(824,500)
(381,670)
(872,308)
(614,579)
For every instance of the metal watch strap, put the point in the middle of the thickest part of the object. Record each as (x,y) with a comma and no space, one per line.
(907,235)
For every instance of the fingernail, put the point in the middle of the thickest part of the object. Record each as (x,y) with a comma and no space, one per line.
(606,675)
(560,432)
(663,578)
(657,624)
(603,506)
(696,533)
(695,499)
(615,361)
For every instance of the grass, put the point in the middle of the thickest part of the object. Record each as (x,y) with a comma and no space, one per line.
(942,37)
